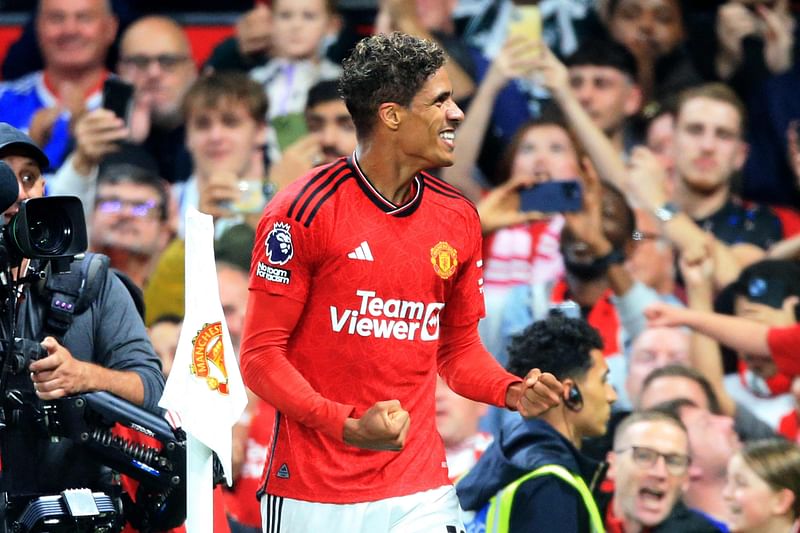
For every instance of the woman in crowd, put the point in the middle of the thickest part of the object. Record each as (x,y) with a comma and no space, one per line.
(763,487)
(518,249)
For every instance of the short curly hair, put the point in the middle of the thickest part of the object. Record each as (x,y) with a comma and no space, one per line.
(386,68)
(557,344)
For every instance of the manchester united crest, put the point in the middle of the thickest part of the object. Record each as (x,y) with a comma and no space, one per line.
(444,259)
(208,357)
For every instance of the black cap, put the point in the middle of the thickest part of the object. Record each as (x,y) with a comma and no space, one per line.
(11,137)
(767,282)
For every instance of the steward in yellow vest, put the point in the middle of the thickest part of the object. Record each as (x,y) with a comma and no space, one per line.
(534,477)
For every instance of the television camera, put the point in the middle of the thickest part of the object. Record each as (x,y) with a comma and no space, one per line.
(51,232)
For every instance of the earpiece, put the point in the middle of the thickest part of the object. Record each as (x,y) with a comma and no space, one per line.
(574,399)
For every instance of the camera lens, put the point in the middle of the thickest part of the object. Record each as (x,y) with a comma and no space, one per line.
(49,238)
(47,228)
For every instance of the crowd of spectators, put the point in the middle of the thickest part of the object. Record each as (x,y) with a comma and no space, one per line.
(679,119)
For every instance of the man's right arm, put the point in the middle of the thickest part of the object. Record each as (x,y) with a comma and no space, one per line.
(269,323)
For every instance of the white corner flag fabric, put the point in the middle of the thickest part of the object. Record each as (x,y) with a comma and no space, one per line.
(205,386)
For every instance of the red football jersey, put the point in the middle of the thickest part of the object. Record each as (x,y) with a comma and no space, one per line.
(376,281)
(784,344)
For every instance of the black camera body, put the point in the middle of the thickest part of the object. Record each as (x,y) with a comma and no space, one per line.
(51,228)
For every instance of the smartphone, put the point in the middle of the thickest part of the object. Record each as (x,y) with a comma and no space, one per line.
(552,197)
(252,197)
(526,21)
(118,97)
(568,309)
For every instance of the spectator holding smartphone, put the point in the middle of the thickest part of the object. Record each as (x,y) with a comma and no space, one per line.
(225,134)
(155,56)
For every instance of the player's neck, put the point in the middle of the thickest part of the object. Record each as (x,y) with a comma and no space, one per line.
(386,172)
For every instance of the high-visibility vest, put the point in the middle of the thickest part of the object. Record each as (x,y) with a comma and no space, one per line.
(499,514)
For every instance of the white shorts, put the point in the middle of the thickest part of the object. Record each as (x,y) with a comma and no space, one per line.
(431,511)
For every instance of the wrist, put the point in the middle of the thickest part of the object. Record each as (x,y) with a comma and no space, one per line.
(350,430)
(513,395)
(83,164)
(564,96)
(87,381)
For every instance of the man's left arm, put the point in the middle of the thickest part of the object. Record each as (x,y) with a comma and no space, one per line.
(471,371)
(117,358)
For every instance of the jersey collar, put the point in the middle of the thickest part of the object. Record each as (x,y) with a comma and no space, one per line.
(380,201)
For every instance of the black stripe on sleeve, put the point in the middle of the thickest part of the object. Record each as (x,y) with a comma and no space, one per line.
(324,171)
(327,195)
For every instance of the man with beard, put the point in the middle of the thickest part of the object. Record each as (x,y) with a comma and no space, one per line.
(709,150)
(331,135)
(595,243)
(129,222)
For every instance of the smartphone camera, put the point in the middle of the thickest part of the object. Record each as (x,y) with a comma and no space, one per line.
(567,309)
(253,196)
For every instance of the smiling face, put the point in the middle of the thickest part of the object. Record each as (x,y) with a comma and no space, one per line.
(751,502)
(708,147)
(546,152)
(428,125)
(127,217)
(222,138)
(74,34)
(644,494)
(162,83)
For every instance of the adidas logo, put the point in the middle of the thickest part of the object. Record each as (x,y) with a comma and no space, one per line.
(362,253)
(283,471)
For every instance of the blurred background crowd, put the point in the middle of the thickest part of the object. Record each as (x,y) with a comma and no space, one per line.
(678,117)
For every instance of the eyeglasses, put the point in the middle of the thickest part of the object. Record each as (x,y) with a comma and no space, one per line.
(676,463)
(137,209)
(165,61)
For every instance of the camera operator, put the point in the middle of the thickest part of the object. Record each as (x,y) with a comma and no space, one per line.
(104,348)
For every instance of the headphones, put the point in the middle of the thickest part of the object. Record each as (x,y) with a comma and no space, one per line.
(574,399)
